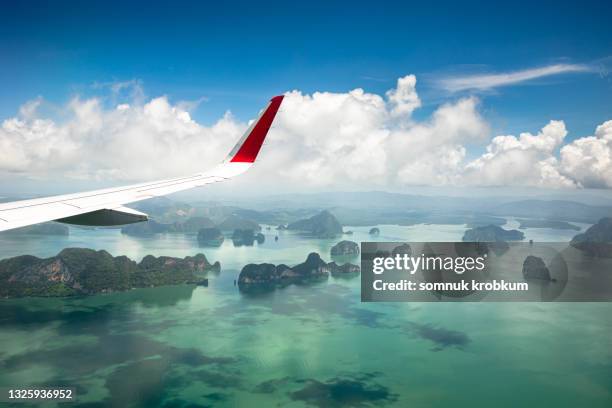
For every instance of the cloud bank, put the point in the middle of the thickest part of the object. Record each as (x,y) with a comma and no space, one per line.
(352,140)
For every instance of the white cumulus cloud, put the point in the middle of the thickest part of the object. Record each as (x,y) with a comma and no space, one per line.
(404,98)
(128,142)
(588,160)
(523,160)
(324,140)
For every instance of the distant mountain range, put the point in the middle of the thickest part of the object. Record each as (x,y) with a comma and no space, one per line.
(364,209)
(553,210)
(368,208)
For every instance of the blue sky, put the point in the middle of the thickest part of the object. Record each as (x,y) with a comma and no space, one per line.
(483,70)
(237,55)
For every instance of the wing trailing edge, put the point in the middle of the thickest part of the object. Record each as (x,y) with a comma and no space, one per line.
(106,217)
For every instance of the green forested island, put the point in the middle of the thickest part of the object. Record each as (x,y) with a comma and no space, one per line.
(80,271)
(492,233)
(268,276)
(321,225)
(596,240)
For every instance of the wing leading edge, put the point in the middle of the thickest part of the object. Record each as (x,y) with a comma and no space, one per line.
(106,207)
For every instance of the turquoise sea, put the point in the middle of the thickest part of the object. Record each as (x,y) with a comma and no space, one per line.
(303,346)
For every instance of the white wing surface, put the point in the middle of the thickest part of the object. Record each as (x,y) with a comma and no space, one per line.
(106,207)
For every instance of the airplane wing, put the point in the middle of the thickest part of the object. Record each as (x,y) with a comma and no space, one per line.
(106,207)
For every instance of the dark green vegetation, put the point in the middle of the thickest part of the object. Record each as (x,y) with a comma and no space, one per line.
(80,271)
(322,225)
(47,228)
(210,237)
(492,233)
(596,240)
(548,224)
(269,276)
(247,237)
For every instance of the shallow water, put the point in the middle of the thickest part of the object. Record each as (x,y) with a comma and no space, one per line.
(313,345)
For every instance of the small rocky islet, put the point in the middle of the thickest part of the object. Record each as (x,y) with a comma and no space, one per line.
(242,231)
(210,237)
(596,240)
(269,276)
(535,268)
(345,248)
(247,237)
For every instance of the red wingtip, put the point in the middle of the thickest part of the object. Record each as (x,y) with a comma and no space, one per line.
(247,153)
